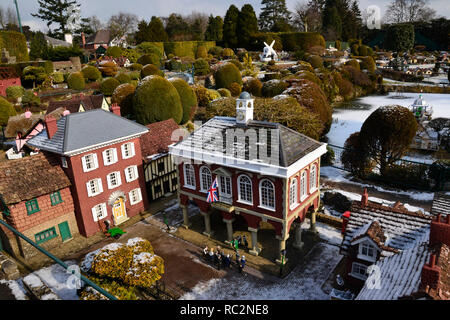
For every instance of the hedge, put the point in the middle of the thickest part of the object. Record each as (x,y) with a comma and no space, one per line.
(15,43)
(186,48)
(187,96)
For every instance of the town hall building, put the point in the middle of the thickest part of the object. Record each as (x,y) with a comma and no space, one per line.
(266,172)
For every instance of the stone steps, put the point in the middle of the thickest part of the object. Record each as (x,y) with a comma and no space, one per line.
(8,268)
(38,289)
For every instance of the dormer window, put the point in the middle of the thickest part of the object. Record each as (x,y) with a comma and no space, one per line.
(367,251)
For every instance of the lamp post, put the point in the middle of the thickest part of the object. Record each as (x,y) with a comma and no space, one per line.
(18,16)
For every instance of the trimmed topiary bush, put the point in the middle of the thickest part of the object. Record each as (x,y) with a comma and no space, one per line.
(353,63)
(6,110)
(201,52)
(224,92)
(315,61)
(201,67)
(114,52)
(123,78)
(136,67)
(57,77)
(76,81)
(216,51)
(108,69)
(150,58)
(362,51)
(123,96)
(226,75)
(227,53)
(368,64)
(235,89)
(156,99)
(253,86)
(273,88)
(150,70)
(91,73)
(108,86)
(237,63)
(187,96)
(15,92)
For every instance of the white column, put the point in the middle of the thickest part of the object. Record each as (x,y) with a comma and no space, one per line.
(229,229)
(255,250)
(281,247)
(312,227)
(186,222)
(207,217)
(298,244)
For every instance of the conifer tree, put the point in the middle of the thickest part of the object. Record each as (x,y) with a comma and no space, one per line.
(214,29)
(230,33)
(38,46)
(156,30)
(247,25)
(274,15)
(55,11)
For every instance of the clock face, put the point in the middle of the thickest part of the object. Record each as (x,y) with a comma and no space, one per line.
(240,116)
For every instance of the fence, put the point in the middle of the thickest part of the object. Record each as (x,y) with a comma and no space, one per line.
(403,173)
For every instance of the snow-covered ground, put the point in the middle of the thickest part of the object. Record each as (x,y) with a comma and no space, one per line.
(303,283)
(17,288)
(348,121)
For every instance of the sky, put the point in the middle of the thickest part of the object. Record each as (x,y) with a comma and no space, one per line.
(144,9)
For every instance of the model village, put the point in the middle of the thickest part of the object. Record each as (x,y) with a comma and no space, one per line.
(273,164)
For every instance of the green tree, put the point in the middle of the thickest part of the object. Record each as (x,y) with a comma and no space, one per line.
(331,21)
(400,37)
(274,15)
(156,30)
(196,30)
(38,46)
(187,96)
(55,11)
(387,134)
(230,32)
(176,27)
(247,25)
(214,29)
(143,33)
(6,110)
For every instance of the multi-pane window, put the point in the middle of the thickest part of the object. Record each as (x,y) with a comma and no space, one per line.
(32,206)
(99,212)
(205,178)
(55,198)
(89,162)
(367,249)
(245,189)
(131,173)
(135,196)
(293,198)
(45,235)
(161,166)
(94,187)
(359,270)
(127,150)
(189,175)
(114,180)
(225,185)
(313,178)
(267,192)
(303,186)
(109,156)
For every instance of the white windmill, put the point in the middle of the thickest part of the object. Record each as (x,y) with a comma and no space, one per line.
(73,23)
(269,53)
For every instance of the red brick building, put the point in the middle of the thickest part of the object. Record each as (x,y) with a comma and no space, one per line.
(265,172)
(35,199)
(101,154)
(8,78)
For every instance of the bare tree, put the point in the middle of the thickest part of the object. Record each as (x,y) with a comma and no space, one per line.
(122,24)
(11,17)
(2,17)
(409,11)
(197,16)
(95,23)
(308,16)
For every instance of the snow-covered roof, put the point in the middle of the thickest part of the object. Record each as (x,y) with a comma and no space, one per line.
(399,275)
(403,229)
(441,204)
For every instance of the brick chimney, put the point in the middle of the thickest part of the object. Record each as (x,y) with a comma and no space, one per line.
(440,230)
(83,40)
(364,198)
(50,125)
(115,109)
(431,274)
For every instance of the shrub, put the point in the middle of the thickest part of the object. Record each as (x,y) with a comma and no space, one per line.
(76,81)
(345,86)
(272,76)
(114,52)
(235,89)
(6,110)
(355,49)
(368,64)
(353,63)
(123,96)
(91,73)
(303,74)
(216,51)
(174,65)
(338,44)
(34,74)
(123,78)
(237,63)
(15,92)
(108,69)
(30,100)
(316,50)
(150,58)
(254,87)
(156,48)
(354,157)
(108,86)
(187,97)
(362,50)
(57,77)
(273,88)
(156,99)
(201,67)
(204,95)
(357,77)
(150,70)
(135,75)
(227,74)
(328,158)
(201,52)
(224,92)
(227,53)
(315,61)
(15,43)
(299,54)
(186,48)
(136,67)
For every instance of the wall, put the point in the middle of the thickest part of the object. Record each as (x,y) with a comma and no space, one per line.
(4,84)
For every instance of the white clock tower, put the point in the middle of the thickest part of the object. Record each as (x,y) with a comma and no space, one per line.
(244,108)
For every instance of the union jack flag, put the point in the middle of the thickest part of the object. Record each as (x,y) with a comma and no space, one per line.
(213,194)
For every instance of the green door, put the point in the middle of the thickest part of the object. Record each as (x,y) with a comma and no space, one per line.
(64,231)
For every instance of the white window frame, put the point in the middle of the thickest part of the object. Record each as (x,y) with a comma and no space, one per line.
(261,193)
(192,177)
(64,163)
(113,156)
(303,185)
(134,176)
(139,196)
(244,201)
(312,187)
(205,176)
(358,275)
(293,194)
(99,185)
(369,247)
(133,153)
(118,180)
(84,163)
(95,213)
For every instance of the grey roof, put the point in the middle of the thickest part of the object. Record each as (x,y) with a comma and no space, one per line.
(101,36)
(211,137)
(85,129)
(56,42)
(441,204)
(245,95)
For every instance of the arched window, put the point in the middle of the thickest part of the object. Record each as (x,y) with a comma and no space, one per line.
(245,189)
(313,178)
(293,197)
(189,175)
(303,185)
(205,178)
(267,194)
